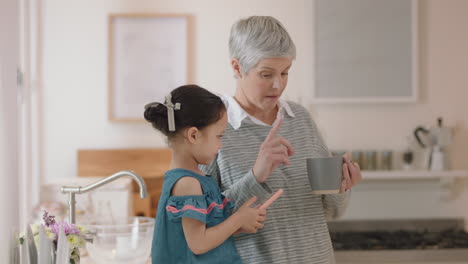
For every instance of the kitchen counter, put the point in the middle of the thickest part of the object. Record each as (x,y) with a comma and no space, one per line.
(440,256)
(452,256)
(400,240)
(413,174)
(443,256)
(87,260)
(404,241)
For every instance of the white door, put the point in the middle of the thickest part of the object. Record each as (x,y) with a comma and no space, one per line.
(9,171)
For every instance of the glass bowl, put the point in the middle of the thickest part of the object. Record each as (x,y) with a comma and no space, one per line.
(121,241)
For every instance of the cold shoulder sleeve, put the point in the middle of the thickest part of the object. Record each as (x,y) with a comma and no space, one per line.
(200,207)
(193,206)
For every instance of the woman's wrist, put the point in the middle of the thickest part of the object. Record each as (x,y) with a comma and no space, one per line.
(254,173)
(258,175)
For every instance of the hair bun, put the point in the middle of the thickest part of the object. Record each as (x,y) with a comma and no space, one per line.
(155,111)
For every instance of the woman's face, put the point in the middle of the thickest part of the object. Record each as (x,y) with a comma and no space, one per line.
(263,85)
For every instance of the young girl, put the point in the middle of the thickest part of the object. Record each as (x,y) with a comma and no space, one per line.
(194,223)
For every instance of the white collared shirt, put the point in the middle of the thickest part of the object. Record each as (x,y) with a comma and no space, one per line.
(236,114)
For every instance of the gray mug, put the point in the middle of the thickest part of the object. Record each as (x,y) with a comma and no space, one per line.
(325,174)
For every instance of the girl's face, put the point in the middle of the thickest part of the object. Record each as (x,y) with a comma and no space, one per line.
(263,85)
(209,141)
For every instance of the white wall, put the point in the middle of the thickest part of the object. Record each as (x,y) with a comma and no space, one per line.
(9,171)
(75,68)
(75,76)
(443,88)
(444,92)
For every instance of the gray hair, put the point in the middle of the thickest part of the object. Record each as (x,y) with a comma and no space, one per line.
(259,37)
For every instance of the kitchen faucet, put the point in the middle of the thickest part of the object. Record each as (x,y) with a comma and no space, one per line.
(72,190)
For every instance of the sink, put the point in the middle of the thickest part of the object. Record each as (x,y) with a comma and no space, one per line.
(126,240)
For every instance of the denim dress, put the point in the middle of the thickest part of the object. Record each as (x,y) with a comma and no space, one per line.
(169,243)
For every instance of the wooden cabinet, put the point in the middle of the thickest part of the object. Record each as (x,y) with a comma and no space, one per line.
(148,163)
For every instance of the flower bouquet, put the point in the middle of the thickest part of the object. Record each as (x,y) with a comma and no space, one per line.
(75,235)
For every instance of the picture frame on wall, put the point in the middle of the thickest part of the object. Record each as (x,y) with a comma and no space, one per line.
(148,57)
(365,51)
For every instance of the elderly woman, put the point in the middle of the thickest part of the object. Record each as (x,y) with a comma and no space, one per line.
(265,146)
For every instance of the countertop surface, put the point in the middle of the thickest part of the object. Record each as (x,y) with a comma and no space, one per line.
(413,174)
(87,260)
(442,256)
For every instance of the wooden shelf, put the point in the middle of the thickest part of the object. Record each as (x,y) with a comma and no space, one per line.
(150,164)
(413,175)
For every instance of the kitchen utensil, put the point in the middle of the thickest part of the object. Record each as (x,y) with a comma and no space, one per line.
(127,240)
(436,140)
(371,160)
(386,160)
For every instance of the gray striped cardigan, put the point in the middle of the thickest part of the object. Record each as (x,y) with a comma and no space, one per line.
(295,230)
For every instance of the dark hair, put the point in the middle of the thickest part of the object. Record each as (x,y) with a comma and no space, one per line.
(198,108)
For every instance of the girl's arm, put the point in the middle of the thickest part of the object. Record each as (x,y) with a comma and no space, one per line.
(201,239)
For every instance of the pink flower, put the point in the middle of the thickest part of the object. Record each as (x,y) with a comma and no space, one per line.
(48,219)
(67,228)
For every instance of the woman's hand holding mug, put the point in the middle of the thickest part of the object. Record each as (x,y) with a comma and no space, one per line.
(351,173)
